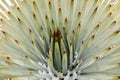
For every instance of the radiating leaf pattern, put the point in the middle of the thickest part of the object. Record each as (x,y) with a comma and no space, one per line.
(59,40)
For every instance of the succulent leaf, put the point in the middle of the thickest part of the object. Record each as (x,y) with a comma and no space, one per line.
(59,39)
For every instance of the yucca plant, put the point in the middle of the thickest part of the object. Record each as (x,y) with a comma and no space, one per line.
(60,40)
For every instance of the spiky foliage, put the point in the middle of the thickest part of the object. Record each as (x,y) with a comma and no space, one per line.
(60,40)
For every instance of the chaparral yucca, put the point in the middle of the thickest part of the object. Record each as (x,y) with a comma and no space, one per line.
(60,40)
